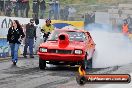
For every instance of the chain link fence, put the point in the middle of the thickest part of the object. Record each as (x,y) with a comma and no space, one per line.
(54,9)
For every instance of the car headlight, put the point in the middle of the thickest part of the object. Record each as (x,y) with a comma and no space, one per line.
(78,51)
(44,50)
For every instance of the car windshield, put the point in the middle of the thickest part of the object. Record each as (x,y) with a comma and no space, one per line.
(73,36)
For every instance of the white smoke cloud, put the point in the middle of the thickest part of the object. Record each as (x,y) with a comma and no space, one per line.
(112,48)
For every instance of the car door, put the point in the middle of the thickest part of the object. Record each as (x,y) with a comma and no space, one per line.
(90,46)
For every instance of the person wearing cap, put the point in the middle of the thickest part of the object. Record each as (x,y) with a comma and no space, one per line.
(30,36)
(47,29)
(125,28)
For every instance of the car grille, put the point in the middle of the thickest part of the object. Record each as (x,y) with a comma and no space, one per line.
(59,51)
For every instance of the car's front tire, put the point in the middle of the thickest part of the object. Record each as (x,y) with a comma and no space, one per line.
(81,80)
(42,64)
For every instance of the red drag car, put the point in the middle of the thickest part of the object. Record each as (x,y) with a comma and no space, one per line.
(67,47)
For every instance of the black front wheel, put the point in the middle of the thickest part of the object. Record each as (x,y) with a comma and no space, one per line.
(81,80)
(42,64)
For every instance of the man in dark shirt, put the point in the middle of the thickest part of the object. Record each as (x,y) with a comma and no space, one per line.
(35,8)
(42,8)
(66,12)
(29,40)
(24,7)
(27,8)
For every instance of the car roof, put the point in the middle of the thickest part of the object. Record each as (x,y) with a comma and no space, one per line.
(70,30)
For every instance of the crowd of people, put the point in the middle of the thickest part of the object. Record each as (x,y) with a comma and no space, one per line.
(37,9)
(68,13)
(17,7)
(89,18)
(21,8)
(16,35)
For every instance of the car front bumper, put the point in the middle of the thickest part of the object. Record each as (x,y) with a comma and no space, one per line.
(61,57)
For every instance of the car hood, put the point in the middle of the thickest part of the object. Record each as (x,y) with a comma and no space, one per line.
(71,45)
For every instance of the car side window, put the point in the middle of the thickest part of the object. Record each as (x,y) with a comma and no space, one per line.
(86,36)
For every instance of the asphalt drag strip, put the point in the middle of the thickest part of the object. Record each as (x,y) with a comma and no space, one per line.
(27,74)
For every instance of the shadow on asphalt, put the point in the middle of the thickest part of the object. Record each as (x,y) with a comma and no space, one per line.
(62,68)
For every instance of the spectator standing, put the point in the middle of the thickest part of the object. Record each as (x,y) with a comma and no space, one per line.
(20,8)
(86,19)
(51,8)
(8,8)
(56,9)
(129,21)
(27,8)
(17,8)
(62,14)
(1,6)
(14,7)
(125,28)
(24,7)
(72,12)
(30,36)
(66,12)
(47,29)
(120,12)
(42,9)
(14,37)
(35,8)
(92,16)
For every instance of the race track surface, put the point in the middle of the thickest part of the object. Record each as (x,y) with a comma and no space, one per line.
(113,55)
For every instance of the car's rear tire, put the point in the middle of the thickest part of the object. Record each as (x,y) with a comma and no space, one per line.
(42,64)
(87,64)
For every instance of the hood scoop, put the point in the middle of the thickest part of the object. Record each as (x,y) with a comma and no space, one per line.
(63,40)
